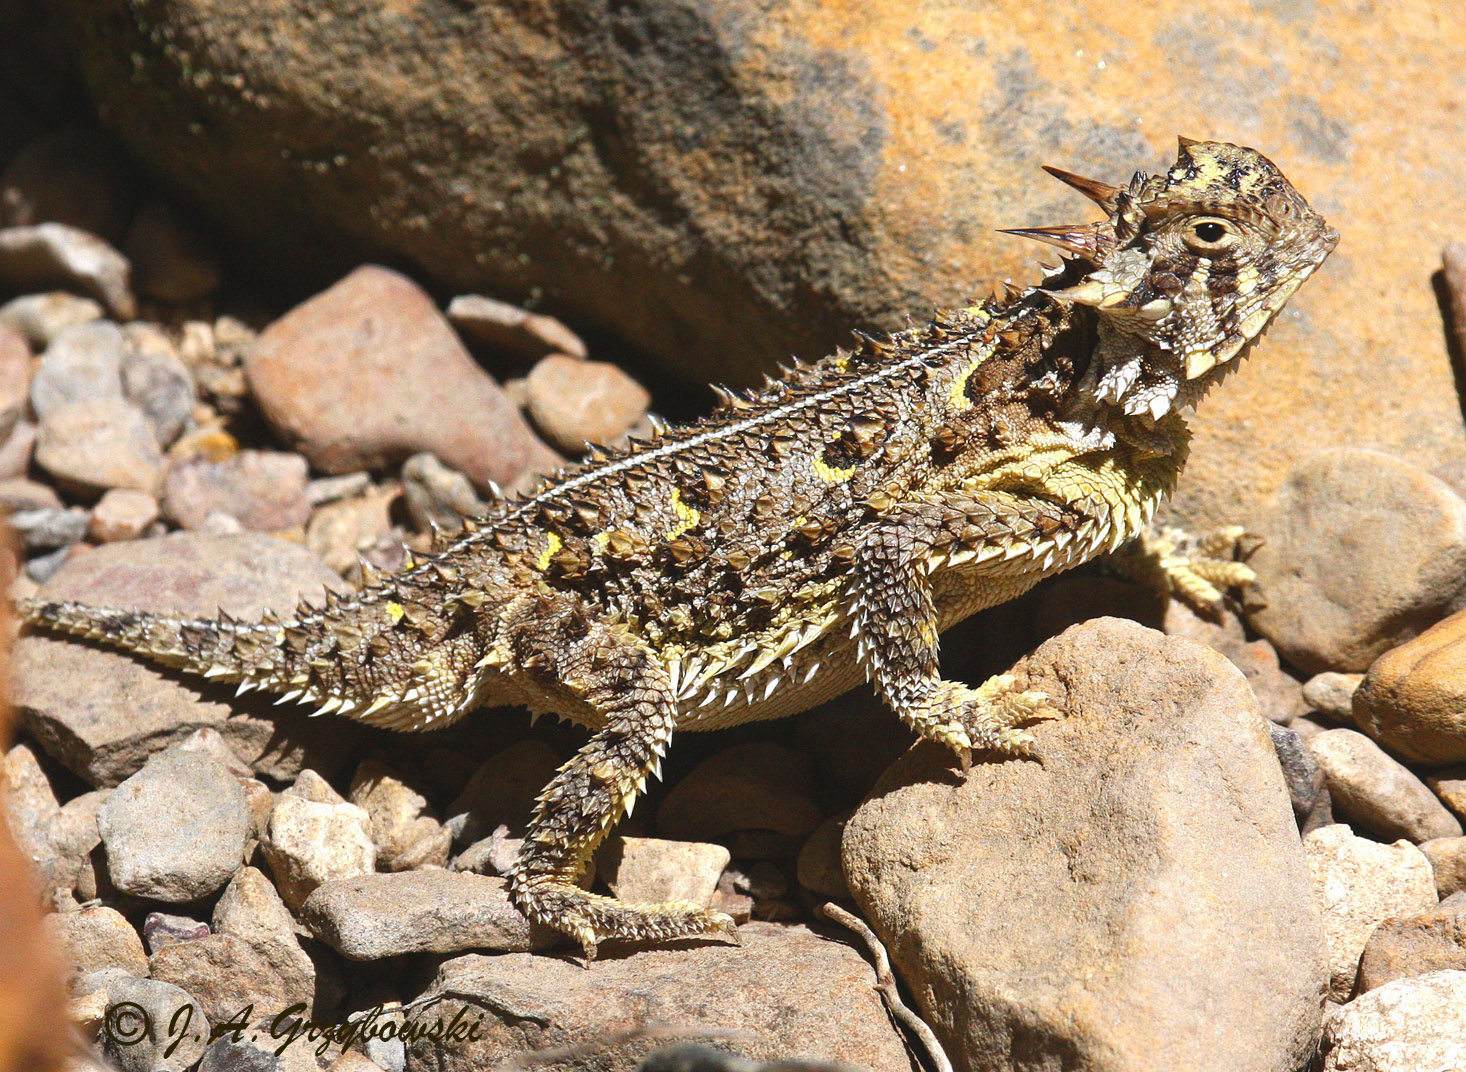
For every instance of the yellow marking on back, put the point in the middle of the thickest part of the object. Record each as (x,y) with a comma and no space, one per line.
(957,391)
(553,543)
(598,542)
(688,516)
(396,612)
(825,471)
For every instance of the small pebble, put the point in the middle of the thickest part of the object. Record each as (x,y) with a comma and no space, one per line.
(653,871)
(83,364)
(40,318)
(89,447)
(49,528)
(96,939)
(575,403)
(156,381)
(122,514)
(161,930)
(1447,858)
(315,836)
(51,256)
(1377,794)
(511,330)
(1357,884)
(1449,784)
(1332,694)
(263,490)
(436,496)
(328,489)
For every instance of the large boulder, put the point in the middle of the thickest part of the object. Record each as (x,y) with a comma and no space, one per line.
(1055,913)
(726,182)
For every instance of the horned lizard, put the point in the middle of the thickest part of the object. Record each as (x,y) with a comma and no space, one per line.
(811,535)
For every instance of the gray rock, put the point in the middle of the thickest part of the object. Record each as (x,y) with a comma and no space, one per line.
(263,490)
(1308,790)
(372,916)
(1411,1025)
(1407,946)
(1332,694)
(1061,908)
(40,318)
(227,1055)
(251,910)
(156,381)
(83,364)
(369,373)
(153,1026)
(50,528)
(1363,552)
(509,330)
(101,714)
(200,846)
(170,261)
(1356,885)
(51,256)
(97,939)
(310,841)
(653,871)
(1375,793)
(92,446)
(436,496)
(787,991)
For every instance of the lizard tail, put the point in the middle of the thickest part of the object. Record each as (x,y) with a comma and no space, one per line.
(217,648)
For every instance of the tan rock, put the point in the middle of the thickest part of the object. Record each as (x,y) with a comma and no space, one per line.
(404,827)
(654,871)
(756,786)
(263,490)
(96,939)
(122,514)
(91,446)
(223,973)
(1062,907)
(1413,700)
(1357,884)
(1375,793)
(1447,858)
(1450,786)
(371,916)
(786,994)
(1406,946)
(48,256)
(511,330)
(368,373)
(1363,552)
(311,841)
(249,909)
(1409,1025)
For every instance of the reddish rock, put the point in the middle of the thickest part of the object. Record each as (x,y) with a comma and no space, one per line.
(368,373)
(122,514)
(510,330)
(263,490)
(1413,700)
(15,377)
(575,403)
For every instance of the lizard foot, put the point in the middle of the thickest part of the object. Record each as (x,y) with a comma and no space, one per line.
(591,918)
(992,717)
(1195,569)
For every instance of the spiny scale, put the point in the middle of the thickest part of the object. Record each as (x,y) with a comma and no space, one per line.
(809,536)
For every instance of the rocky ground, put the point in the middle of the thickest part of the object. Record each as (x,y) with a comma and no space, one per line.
(1243,850)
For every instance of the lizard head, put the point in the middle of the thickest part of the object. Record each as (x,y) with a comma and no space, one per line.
(1186,271)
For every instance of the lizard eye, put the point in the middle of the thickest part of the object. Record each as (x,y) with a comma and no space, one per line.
(1209,235)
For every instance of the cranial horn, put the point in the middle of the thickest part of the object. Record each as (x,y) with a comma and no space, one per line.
(1101,193)
(1081,238)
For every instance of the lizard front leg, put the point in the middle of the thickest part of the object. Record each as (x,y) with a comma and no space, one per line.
(1002,539)
(632,693)
(1195,569)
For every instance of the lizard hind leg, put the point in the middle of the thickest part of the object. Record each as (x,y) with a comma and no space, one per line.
(632,692)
